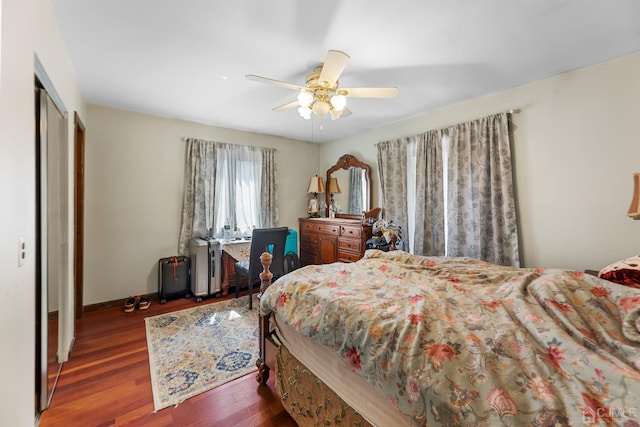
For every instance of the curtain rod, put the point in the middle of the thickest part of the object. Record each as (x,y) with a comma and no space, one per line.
(184,138)
(509,111)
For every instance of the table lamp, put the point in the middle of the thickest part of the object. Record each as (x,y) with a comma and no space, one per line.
(334,188)
(315,186)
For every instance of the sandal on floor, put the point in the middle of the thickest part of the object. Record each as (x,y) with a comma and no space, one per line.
(144,303)
(131,303)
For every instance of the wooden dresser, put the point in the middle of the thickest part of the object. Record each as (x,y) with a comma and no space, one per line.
(327,240)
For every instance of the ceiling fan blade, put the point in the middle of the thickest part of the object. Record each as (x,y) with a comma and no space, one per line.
(291,104)
(371,92)
(274,82)
(334,64)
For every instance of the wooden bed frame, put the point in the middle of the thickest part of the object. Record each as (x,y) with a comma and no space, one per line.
(266,359)
(268,345)
(326,403)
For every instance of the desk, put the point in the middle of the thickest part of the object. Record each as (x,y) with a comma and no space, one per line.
(232,252)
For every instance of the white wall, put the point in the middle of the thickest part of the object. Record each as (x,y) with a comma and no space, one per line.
(17,215)
(52,54)
(28,28)
(576,146)
(133,194)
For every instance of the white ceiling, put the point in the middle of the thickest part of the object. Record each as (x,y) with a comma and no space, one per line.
(187,59)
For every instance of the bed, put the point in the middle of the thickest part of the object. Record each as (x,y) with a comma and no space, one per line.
(399,339)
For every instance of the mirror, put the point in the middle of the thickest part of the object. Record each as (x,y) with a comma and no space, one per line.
(350,190)
(51,229)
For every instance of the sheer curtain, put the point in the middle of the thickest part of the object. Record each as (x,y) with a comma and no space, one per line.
(429,229)
(199,191)
(238,187)
(392,166)
(481,207)
(227,182)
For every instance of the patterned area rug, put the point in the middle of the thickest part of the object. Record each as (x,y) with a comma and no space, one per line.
(197,349)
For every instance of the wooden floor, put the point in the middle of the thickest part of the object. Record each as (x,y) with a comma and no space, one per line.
(107,381)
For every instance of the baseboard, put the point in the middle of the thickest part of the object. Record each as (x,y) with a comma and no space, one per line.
(154,297)
(114,303)
(73,341)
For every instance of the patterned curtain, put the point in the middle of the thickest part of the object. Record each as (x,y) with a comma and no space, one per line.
(199,192)
(227,182)
(429,237)
(269,193)
(356,176)
(392,165)
(481,207)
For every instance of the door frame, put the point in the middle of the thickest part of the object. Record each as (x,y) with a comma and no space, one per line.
(78,216)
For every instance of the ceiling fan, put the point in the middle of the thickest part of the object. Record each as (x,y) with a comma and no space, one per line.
(322,93)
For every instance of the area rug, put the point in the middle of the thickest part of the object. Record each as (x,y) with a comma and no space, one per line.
(197,349)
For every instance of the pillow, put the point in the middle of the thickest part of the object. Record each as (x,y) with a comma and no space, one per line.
(625,272)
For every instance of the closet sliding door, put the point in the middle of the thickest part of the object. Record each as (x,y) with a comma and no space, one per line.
(52,240)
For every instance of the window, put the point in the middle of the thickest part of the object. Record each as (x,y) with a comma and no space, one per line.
(238,189)
(455,193)
(227,183)
(412,156)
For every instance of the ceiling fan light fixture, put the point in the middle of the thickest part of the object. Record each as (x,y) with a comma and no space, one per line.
(320,108)
(305,98)
(322,94)
(338,102)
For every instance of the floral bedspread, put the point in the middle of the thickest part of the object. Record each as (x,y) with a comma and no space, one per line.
(457,341)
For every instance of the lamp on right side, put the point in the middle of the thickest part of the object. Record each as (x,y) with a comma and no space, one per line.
(634,209)
(334,188)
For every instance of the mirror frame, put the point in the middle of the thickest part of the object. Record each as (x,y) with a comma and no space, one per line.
(345,162)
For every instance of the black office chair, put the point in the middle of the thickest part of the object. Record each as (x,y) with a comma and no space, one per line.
(262,239)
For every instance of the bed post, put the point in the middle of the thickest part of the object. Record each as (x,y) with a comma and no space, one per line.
(265,277)
(265,281)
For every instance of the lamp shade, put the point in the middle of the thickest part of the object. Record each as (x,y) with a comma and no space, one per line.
(316,185)
(338,102)
(320,108)
(334,188)
(634,209)
(305,112)
(305,98)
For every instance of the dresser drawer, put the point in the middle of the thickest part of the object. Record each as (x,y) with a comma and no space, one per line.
(309,246)
(352,245)
(307,258)
(348,256)
(331,229)
(309,236)
(319,227)
(307,226)
(350,231)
